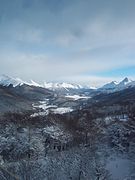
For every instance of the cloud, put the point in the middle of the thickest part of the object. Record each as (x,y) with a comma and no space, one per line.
(53,40)
(93,81)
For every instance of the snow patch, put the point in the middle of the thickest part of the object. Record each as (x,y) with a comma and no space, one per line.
(62,110)
(119,167)
(40,114)
(46,107)
(77,97)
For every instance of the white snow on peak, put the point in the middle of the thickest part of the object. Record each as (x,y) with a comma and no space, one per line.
(6,81)
(53,86)
(33,83)
(124,82)
(110,85)
(116,86)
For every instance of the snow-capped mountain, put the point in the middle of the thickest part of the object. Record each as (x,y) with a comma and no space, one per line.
(125,82)
(6,81)
(66,86)
(117,86)
(33,83)
(110,85)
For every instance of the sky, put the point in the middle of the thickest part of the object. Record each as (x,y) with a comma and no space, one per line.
(81,41)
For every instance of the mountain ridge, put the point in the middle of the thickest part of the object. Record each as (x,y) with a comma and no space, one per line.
(117,86)
(111,86)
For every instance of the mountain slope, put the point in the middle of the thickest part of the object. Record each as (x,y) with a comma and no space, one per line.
(6,81)
(21,98)
(115,86)
(125,96)
(109,86)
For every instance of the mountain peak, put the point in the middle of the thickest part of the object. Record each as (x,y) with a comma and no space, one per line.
(125,81)
(6,81)
(110,85)
(114,82)
(115,86)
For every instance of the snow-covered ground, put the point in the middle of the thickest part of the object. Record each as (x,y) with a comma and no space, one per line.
(120,168)
(76,97)
(46,107)
(62,110)
(40,114)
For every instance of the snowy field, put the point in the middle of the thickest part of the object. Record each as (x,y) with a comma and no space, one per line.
(46,108)
(76,97)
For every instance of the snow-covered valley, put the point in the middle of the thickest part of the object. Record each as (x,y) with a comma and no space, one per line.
(66,134)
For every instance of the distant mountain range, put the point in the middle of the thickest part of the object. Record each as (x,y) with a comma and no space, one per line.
(117,86)
(6,81)
(63,85)
(109,87)
(19,96)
